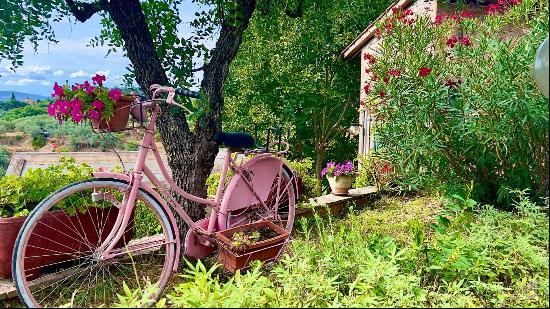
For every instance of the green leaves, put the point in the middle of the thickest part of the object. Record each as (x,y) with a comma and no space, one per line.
(19,195)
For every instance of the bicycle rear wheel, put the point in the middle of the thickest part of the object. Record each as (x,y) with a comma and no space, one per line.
(56,259)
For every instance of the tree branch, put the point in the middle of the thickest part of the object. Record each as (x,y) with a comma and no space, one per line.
(83,11)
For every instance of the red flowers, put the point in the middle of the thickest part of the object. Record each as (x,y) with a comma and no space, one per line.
(386,80)
(452,41)
(98,79)
(467,14)
(424,71)
(493,9)
(366,88)
(382,93)
(370,58)
(394,72)
(440,18)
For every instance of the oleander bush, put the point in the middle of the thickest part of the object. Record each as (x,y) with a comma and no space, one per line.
(456,102)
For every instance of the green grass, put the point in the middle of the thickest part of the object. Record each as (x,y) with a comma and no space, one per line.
(396,254)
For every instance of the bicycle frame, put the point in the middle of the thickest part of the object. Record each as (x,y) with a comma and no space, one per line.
(136,183)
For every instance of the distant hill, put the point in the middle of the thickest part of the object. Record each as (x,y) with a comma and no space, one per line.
(20,96)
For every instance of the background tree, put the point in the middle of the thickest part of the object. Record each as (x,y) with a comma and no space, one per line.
(147,33)
(289,72)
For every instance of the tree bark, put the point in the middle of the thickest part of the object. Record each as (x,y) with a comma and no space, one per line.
(191,154)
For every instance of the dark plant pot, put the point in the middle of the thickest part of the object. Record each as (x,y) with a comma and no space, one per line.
(119,120)
(265,250)
(69,231)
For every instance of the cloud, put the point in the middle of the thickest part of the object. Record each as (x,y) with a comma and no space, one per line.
(58,73)
(28,70)
(80,73)
(104,73)
(26,81)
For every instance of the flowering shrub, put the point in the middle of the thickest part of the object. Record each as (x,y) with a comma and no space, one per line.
(455,101)
(334,169)
(80,101)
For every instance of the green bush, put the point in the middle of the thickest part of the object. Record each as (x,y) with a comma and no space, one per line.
(476,116)
(26,111)
(4,160)
(38,141)
(20,194)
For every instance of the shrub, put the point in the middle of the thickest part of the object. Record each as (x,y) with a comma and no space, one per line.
(451,110)
(4,160)
(22,112)
(20,194)
(38,141)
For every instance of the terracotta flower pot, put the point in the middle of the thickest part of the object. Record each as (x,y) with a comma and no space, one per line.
(340,185)
(54,224)
(119,120)
(265,250)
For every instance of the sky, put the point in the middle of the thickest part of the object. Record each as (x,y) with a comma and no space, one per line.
(71,59)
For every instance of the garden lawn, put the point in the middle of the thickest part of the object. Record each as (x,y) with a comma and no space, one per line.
(420,252)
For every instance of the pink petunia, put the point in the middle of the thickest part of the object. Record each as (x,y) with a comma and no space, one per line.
(115,94)
(93,114)
(58,91)
(64,107)
(51,110)
(98,79)
(98,105)
(76,104)
(90,90)
(77,116)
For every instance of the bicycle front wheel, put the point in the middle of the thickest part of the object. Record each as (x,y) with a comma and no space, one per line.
(57,256)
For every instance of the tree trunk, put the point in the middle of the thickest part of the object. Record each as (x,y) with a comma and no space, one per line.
(191,154)
(319,158)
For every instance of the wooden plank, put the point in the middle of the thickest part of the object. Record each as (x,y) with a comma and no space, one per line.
(322,205)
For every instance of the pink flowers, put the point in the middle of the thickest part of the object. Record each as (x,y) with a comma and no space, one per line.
(93,114)
(424,71)
(98,79)
(98,105)
(58,91)
(341,169)
(83,101)
(115,94)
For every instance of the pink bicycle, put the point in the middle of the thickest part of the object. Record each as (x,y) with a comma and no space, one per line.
(84,241)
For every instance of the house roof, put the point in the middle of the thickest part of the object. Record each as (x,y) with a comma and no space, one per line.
(356,45)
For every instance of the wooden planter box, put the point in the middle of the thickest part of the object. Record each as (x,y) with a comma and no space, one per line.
(263,251)
(68,232)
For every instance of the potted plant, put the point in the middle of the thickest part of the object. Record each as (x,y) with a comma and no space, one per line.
(239,246)
(20,194)
(107,109)
(340,176)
